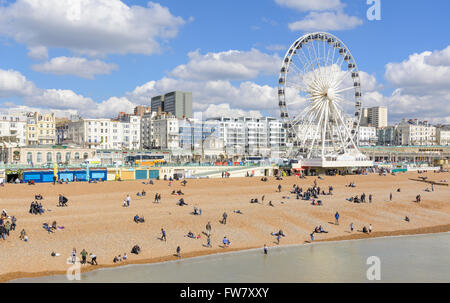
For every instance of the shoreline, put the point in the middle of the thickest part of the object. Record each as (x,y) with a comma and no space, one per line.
(356,236)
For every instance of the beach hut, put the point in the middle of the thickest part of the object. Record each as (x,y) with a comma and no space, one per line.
(141,174)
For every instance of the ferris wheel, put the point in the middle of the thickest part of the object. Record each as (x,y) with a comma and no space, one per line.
(319,91)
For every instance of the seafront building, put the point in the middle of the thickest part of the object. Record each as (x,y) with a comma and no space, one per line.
(250,136)
(176,103)
(62,130)
(41,128)
(13,129)
(443,135)
(121,133)
(375,116)
(414,132)
(367,136)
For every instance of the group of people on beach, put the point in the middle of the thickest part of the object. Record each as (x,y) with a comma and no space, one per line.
(119,258)
(360,199)
(84,254)
(50,228)
(36,208)
(7,224)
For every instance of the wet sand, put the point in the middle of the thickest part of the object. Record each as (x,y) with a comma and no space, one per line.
(96,221)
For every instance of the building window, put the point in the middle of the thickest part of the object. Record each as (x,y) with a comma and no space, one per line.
(85,156)
(39,157)
(77,156)
(58,157)
(49,157)
(29,157)
(67,157)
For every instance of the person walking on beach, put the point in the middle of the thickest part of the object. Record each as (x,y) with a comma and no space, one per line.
(224,218)
(22,234)
(225,242)
(336,216)
(279,188)
(208,241)
(83,256)
(163,235)
(74,255)
(370,228)
(390,197)
(208,228)
(178,252)
(370,198)
(352,227)
(312,236)
(128,199)
(265,249)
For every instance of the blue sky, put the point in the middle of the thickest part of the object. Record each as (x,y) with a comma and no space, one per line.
(96,67)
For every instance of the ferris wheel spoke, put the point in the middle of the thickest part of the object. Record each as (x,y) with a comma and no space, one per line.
(303,64)
(346,130)
(313,63)
(330,130)
(341,79)
(297,70)
(324,132)
(308,126)
(307,65)
(344,89)
(296,86)
(338,130)
(316,133)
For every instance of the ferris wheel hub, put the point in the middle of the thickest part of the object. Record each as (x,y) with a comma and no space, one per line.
(330,94)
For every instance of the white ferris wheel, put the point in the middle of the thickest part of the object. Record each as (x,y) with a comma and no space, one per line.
(319,92)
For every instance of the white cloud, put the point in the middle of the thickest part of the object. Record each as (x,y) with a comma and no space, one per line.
(60,99)
(326,21)
(310,5)
(423,86)
(13,83)
(13,108)
(439,57)
(38,53)
(369,82)
(228,65)
(109,108)
(76,66)
(224,110)
(93,27)
(417,75)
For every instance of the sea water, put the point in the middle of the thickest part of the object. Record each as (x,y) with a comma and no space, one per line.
(420,258)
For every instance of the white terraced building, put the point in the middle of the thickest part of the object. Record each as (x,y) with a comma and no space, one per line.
(106,133)
(416,133)
(367,136)
(443,135)
(251,136)
(13,129)
(160,131)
